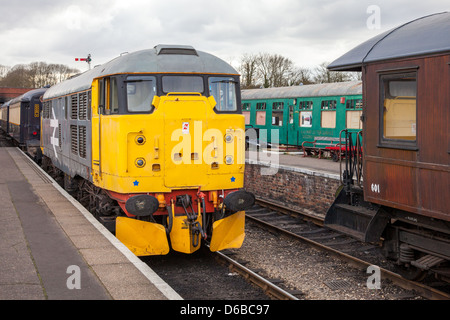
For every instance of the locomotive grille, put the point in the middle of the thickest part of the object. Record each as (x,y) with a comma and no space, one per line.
(74,139)
(46,113)
(82,112)
(82,141)
(74,113)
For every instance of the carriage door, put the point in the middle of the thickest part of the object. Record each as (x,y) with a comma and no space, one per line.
(292,133)
(278,123)
(98,107)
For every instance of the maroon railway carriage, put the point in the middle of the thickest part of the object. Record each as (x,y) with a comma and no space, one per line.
(404,197)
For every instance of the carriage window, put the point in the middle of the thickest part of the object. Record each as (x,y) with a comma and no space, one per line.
(261,106)
(399,107)
(328,104)
(140,93)
(278,106)
(224,91)
(305,105)
(182,84)
(353,104)
(353,113)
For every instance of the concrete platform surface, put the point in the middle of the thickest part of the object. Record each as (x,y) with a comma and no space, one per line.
(51,248)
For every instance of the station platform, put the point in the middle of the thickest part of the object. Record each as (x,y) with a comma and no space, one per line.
(51,248)
(295,161)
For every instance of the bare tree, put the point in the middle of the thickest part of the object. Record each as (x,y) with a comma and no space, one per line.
(36,75)
(299,76)
(263,61)
(248,70)
(271,70)
(323,75)
(3,71)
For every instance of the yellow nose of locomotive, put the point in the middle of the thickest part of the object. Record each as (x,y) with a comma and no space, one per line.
(182,149)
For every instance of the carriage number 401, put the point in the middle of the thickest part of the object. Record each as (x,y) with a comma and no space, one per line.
(375,187)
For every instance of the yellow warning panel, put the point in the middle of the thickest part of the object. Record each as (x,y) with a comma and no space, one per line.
(228,232)
(141,237)
(181,237)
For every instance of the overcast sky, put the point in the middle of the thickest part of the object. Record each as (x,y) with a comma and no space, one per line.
(307,31)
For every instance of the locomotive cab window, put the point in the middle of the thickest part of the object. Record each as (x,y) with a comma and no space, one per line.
(398,110)
(108,98)
(182,84)
(140,93)
(223,89)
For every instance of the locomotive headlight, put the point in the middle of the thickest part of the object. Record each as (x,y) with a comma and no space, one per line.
(140,140)
(228,138)
(239,200)
(140,162)
(142,205)
(229,159)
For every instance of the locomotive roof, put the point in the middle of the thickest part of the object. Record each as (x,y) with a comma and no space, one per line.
(426,35)
(27,96)
(311,90)
(160,59)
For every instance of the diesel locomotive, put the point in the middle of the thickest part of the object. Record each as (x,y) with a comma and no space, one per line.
(152,143)
(398,191)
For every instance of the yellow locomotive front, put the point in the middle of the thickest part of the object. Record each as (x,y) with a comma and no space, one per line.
(168,146)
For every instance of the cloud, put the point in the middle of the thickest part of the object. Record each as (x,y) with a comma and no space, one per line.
(308,31)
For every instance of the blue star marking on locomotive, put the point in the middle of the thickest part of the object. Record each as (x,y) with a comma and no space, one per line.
(233,179)
(136,183)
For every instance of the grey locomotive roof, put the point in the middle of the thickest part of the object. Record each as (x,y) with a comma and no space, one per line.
(160,59)
(426,35)
(27,96)
(311,90)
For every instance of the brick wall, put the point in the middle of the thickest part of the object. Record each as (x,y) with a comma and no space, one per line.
(310,192)
(7,94)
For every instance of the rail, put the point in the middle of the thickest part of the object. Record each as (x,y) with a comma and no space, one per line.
(269,288)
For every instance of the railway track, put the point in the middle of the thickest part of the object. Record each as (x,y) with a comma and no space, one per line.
(309,229)
(269,286)
(204,275)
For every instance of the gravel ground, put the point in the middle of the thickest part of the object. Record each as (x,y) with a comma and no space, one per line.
(309,270)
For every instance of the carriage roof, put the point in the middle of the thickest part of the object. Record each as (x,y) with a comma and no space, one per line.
(311,90)
(423,36)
